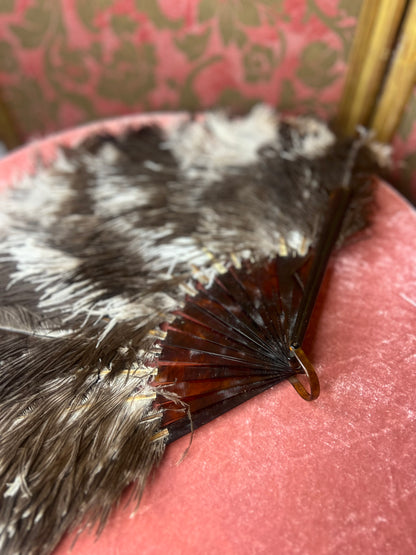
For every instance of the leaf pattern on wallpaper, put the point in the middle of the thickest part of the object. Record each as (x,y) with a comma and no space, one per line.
(193,45)
(31,33)
(8,61)
(240,104)
(316,69)
(96,52)
(290,101)
(30,104)
(336,23)
(187,94)
(350,7)
(70,64)
(230,17)
(119,78)
(232,12)
(66,69)
(122,23)
(287,95)
(7,6)
(88,11)
(152,9)
(259,63)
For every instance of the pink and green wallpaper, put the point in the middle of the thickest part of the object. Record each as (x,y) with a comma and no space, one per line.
(63,62)
(66,62)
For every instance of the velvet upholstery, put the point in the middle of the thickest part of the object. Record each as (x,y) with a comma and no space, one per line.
(279,475)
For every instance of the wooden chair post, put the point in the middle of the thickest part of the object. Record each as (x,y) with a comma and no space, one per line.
(377,30)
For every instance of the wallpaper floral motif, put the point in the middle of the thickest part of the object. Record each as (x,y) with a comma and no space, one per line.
(63,62)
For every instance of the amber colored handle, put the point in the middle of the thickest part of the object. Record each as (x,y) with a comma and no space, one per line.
(310,374)
(338,206)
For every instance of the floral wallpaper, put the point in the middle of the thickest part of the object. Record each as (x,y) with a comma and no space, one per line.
(64,62)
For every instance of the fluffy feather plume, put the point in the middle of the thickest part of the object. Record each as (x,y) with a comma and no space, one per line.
(101,249)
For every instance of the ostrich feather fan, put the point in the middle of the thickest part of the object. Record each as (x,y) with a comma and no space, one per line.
(150,282)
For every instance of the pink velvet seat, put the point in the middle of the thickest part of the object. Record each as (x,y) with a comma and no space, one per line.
(279,475)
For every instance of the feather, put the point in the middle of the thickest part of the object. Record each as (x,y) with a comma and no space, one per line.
(149,283)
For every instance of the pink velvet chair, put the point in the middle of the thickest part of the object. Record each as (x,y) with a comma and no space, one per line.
(274,475)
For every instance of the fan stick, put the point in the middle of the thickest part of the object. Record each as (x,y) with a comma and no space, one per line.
(337,208)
